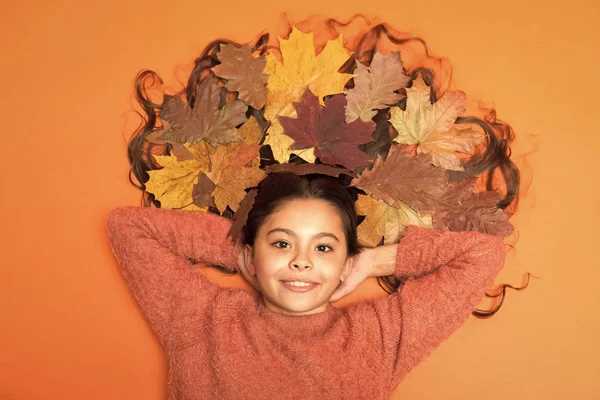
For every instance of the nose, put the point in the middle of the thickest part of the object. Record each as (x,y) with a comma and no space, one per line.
(300,262)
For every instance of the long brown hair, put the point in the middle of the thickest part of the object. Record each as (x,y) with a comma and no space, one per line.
(492,160)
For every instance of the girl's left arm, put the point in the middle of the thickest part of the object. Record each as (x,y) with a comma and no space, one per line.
(446,275)
(154,248)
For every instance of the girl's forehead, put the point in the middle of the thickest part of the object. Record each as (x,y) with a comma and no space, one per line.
(305,213)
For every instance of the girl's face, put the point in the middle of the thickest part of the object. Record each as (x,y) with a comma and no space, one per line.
(302,241)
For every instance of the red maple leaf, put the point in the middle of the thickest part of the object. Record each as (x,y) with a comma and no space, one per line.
(459,209)
(414,181)
(325,129)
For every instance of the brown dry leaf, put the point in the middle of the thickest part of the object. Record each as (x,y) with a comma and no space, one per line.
(244,73)
(205,121)
(431,126)
(309,168)
(413,181)
(375,86)
(241,215)
(231,176)
(301,68)
(459,209)
(383,220)
(202,191)
(173,184)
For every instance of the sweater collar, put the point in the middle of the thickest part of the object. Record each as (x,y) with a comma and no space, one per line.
(299,325)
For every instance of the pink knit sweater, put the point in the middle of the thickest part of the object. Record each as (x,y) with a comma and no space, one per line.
(222,343)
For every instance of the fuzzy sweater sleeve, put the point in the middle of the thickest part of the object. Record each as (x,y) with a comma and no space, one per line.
(155,248)
(446,275)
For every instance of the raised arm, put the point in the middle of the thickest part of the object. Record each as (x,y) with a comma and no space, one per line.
(447,274)
(153,248)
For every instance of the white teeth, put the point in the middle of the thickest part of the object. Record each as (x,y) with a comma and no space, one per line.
(298,283)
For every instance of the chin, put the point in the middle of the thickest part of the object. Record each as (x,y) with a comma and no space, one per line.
(302,307)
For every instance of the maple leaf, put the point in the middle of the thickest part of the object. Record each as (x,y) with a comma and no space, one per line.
(309,168)
(301,68)
(173,184)
(383,220)
(382,135)
(241,215)
(231,176)
(250,132)
(244,73)
(280,144)
(375,86)
(202,191)
(459,209)
(414,181)
(431,126)
(205,121)
(325,129)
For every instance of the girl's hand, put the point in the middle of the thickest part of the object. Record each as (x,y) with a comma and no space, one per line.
(251,279)
(362,268)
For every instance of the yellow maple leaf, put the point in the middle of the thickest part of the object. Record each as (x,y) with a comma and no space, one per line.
(250,131)
(301,68)
(231,176)
(385,220)
(173,184)
(431,126)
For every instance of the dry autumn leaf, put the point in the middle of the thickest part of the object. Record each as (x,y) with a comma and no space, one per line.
(301,68)
(309,168)
(382,137)
(173,184)
(459,209)
(375,86)
(325,129)
(250,132)
(205,121)
(414,181)
(383,220)
(431,126)
(241,215)
(231,176)
(244,73)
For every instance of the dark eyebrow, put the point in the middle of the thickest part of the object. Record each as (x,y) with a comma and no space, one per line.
(291,233)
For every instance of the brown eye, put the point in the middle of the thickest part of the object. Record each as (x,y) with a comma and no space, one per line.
(280,241)
(326,246)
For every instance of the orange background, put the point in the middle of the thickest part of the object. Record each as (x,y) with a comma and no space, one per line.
(69,328)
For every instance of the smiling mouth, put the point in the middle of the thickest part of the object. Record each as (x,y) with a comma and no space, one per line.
(298,286)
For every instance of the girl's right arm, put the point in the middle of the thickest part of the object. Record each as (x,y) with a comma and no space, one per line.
(153,248)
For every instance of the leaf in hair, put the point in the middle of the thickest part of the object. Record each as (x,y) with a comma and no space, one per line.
(375,86)
(244,73)
(309,168)
(280,144)
(241,215)
(231,175)
(382,137)
(300,68)
(173,184)
(202,191)
(431,126)
(250,131)
(325,129)
(383,220)
(205,121)
(402,178)
(459,209)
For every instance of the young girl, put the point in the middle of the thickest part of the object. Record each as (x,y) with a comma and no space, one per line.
(299,250)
